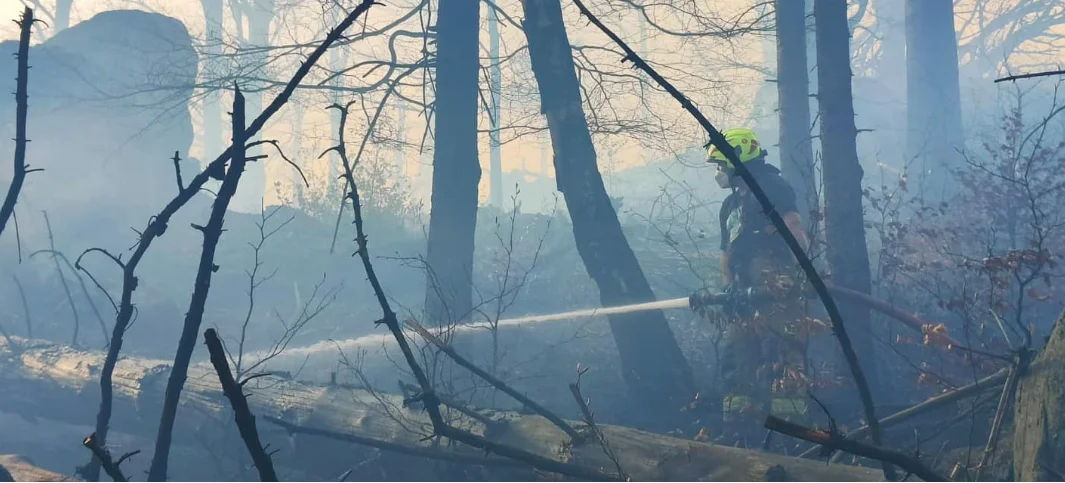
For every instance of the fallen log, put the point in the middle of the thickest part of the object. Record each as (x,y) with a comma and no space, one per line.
(21,469)
(53,381)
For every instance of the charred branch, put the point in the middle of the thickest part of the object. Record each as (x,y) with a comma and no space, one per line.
(1030,76)
(494,381)
(833,441)
(928,405)
(212,233)
(589,419)
(245,419)
(112,467)
(21,114)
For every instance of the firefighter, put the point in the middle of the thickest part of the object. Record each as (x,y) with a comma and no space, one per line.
(763,361)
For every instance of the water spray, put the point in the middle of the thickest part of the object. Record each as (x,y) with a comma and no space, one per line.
(699,300)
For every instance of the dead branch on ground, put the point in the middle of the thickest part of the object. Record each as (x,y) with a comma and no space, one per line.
(928,405)
(718,140)
(1007,399)
(112,467)
(494,381)
(157,225)
(212,233)
(427,397)
(428,453)
(7,209)
(834,441)
(589,418)
(245,419)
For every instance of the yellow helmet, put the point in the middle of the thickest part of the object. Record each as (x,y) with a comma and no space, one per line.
(744,141)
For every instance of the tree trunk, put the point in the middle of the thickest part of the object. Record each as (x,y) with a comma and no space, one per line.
(58,382)
(62,14)
(213,67)
(496,180)
(252,189)
(891,79)
(933,95)
(1039,417)
(793,90)
(848,257)
(456,169)
(653,366)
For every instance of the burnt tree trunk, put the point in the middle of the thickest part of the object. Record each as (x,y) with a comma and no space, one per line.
(456,168)
(848,257)
(1039,418)
(212,233)
(793,91)
(933,95)
(652,364)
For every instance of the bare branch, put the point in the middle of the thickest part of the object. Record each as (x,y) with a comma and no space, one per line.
(21,114)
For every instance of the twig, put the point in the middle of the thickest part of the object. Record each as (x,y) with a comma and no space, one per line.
(177,170)
(1029,76)
(495,382)
(62,281)
(930,404)
(841,443)
(427,397)
(212,233)
(589,418)
(245,419)
(429,453)
(21,114)
(409,391)
(104,457)
(25,307)
(56,254)
(718,140)
(158,225)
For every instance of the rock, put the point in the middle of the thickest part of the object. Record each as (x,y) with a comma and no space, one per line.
(108,107)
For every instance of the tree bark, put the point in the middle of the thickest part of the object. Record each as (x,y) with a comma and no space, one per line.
(933,96)
(456,168)
(1039,417)
(848,257)
(56,381)
(653,367)
(793,90)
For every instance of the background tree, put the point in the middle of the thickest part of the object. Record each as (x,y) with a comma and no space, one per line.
(456,169)
(793,90)
(933,114)
(848,257)
(651,361)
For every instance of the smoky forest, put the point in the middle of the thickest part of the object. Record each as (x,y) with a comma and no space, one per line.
(532,240)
